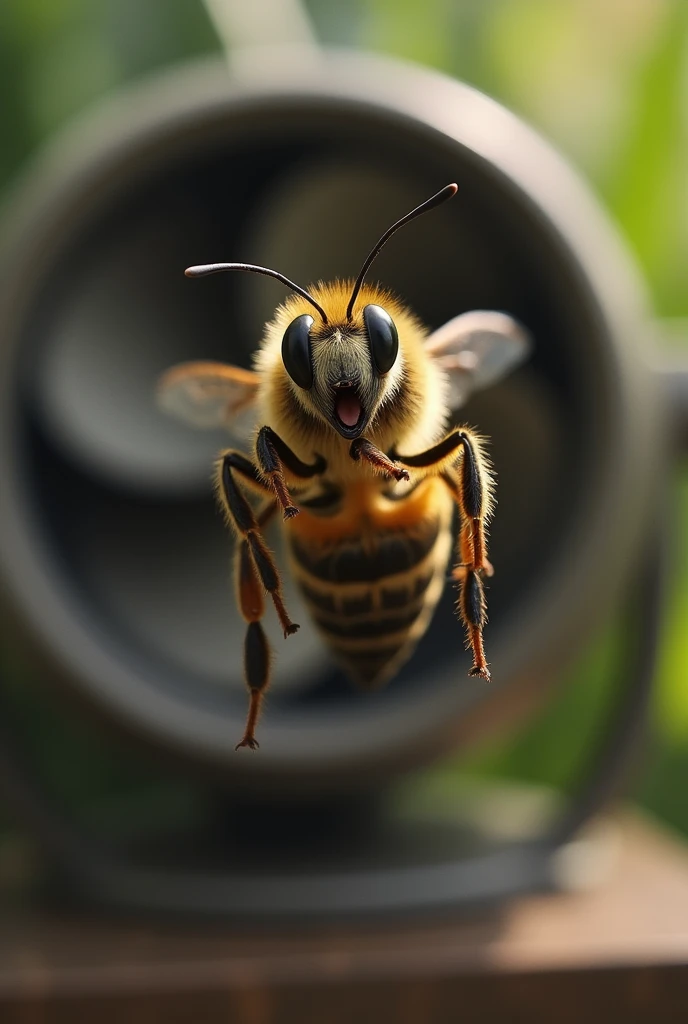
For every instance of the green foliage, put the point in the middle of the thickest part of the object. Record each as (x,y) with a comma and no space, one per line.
(646,183)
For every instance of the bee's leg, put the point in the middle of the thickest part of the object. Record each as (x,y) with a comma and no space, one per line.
(472,540)
(461,462)
(472,609)
(243,520)
(364,449)
(251,601)
(272,453)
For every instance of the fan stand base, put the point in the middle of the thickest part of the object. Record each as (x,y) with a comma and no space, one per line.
(397,862)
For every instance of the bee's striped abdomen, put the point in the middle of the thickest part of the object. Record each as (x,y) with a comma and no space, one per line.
(372,594)
(367,559)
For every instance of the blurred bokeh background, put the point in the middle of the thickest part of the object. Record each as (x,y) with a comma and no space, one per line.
(607,82)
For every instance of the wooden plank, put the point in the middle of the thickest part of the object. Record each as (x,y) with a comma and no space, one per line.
(619,951)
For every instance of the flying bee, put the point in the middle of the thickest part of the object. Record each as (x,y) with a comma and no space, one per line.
(351,398)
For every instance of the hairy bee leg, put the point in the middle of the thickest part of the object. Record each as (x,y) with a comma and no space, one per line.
(471,488)
(364,449)
(242,517)
(257,669)
(251,601)
(472,608)
(470,484)
(267,570)
(271,452)
(472,544)
(467,547)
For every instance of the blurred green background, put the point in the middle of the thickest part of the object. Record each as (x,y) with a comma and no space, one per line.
(605,80)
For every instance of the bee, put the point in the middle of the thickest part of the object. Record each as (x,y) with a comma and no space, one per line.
(351,397)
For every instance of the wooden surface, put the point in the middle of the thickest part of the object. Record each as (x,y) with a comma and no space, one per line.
(617,952)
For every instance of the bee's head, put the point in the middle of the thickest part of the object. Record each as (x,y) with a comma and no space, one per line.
(343,360)
(343,369)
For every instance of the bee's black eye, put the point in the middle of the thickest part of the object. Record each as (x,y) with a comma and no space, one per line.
(296,351)
(382,336)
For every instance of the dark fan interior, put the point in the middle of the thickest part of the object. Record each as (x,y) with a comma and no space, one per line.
(150,566)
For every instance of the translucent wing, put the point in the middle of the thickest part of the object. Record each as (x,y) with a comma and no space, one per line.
(207,395)
(476,349)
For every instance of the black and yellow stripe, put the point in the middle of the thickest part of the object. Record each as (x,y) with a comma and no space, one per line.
(369,560)
(371,596)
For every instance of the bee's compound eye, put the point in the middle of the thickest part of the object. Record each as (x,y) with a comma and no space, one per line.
(296,351)
(383,337)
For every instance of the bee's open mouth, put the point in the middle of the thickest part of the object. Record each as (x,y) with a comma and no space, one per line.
(348,411)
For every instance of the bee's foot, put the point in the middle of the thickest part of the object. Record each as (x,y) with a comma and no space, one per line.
(248,741)
(290,629)
(483,673)
(290,511)
(400,474)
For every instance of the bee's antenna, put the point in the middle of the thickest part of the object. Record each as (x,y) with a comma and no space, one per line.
(216,268)
(446,193)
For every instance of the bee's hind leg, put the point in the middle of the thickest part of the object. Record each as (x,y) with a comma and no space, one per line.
(251,601)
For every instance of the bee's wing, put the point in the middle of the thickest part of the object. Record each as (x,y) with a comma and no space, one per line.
(476,349)
(208,395)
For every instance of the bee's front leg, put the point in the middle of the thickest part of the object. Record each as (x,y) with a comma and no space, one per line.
(272,452)
(364,449)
